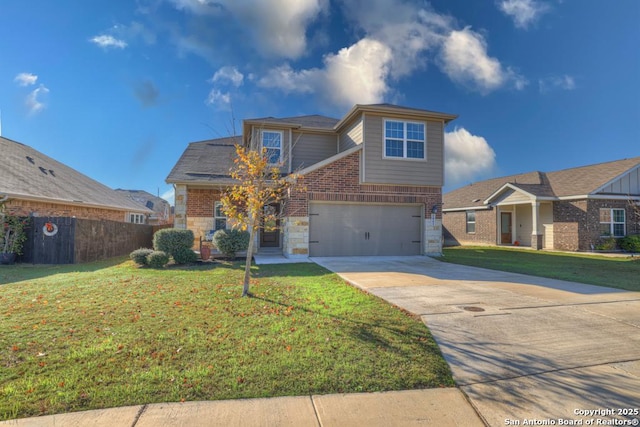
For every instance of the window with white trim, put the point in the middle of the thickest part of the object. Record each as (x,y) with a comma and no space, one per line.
(136,218)
(272,142)
(219,218)
(405,140)
(612,222)
(471,222)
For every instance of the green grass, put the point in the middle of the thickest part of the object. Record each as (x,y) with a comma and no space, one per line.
(614,272)
(109,334)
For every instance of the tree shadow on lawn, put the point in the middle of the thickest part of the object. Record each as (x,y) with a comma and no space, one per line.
(368,331)
(21,272)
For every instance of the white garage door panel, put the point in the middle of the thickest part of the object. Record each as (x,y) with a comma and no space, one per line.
(364,229)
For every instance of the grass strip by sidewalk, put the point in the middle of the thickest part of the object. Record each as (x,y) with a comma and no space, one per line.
(109,334)
(614,272)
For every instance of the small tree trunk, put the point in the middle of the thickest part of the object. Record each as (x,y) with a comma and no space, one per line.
(247,264)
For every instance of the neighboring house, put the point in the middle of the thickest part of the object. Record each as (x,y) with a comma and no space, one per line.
(161,209)
(372,181)
(571,209)
(38,185)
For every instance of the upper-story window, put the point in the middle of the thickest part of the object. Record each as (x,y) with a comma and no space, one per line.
(404,139)
(272,141)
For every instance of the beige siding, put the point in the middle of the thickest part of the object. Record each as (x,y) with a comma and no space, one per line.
(402,171)
(286,156)
(310,148)
(523,224)
(626,184)
(352,136)
(510,197)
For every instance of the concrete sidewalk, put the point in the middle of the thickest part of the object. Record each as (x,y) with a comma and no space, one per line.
(431,407)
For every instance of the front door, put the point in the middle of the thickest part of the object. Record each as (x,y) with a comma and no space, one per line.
(505,228)
(270,228)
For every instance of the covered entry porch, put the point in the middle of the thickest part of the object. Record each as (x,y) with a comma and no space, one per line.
(523,219)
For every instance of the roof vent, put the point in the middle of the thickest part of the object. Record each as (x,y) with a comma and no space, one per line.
(51,172)
(475,200)
(43,170)
(30,160)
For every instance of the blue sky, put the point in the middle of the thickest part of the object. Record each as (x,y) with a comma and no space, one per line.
(117,89)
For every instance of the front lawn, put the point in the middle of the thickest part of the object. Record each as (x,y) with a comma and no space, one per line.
(614,272)
(109,334)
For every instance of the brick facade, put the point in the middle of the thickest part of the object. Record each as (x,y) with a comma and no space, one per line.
(576,223)
(455,228)
(340,182)
(50,209)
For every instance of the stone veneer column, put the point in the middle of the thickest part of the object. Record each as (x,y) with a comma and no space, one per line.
(433,237)
(180,210)
(295,239)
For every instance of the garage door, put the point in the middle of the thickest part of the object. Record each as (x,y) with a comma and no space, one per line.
(364,229)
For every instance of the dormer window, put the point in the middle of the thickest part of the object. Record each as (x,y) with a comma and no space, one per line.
(272,141)
(404,140)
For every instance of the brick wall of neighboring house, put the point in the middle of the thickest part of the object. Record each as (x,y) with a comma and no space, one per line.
(46,209)
(455,228)
(576,223)
(569,217)
(340,182)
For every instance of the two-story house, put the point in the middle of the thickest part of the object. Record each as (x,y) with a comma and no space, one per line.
(372,181)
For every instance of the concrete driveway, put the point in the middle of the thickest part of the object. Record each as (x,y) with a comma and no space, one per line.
(520,347)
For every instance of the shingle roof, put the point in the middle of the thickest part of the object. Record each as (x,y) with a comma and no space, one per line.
(26,172)
(567,182)
(311,121)
(206,161)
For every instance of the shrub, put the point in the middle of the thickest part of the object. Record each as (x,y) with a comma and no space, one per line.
(631,243)
(139,256)
(607,244)
(171,240)
(157,259)
(231,241)
(184,256)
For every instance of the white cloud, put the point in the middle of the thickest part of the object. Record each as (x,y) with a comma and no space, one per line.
(399,39)
(25,79)
(278,27)
(465,60)
(466,157)
(356,74)
(523,12)
(219,99)
(106,41)
(169,196)
(564,82)
(230,74)
(34,101)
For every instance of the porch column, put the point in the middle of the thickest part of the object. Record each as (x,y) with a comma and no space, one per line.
(536,234)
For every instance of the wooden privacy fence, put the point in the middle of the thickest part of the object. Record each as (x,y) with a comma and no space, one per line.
(64,240)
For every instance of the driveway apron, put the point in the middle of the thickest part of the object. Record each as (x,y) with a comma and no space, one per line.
(525,350)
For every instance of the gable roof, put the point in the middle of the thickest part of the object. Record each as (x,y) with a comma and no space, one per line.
(209,162)
(206,161)
(311,121)
(26,173)
(144,198)
(579,181)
